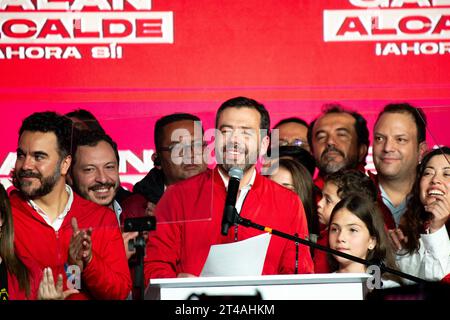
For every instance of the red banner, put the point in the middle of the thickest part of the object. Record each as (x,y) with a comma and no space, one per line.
(141,59)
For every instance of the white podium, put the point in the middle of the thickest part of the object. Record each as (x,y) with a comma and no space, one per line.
(330,286)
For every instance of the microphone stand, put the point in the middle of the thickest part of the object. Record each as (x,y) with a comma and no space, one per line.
(140,224)
(138,282)
(248,223)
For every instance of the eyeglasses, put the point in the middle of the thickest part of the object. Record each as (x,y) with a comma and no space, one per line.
(295,142)
(179,149)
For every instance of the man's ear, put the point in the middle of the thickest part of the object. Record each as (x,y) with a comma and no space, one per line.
(65,165)
(423,148)
(265,143)
(362,152)
(156,160)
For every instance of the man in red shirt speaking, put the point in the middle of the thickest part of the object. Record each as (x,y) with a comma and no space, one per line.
(189,214)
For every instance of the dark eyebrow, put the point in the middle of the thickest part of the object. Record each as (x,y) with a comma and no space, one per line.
(353,224)
(40,153)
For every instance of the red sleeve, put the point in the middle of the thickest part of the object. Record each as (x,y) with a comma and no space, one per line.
(34,276)
(164,243)
(133,207)
(298,225)
(107,275)
(321,264)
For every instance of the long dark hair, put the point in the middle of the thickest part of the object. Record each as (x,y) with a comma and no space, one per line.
(415,218)
(368,212)
(304,187)
(13,264)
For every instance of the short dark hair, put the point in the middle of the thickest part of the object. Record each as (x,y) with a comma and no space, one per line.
(91,139)
(243,102)
(417,113)
(362,131)
(292,120)
(350,181)
(164,121)
(50,121)
(300,155)
(87,118)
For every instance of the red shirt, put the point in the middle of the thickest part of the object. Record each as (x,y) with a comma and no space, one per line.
(321,264)
(106,276)
(183,247)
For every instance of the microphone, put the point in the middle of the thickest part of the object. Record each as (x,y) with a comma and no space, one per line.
(235,174)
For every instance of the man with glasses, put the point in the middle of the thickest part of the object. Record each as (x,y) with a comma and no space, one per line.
(292,132)
(179,146)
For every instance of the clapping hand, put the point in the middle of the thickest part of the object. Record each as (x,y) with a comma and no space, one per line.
(48,290)
(80,248)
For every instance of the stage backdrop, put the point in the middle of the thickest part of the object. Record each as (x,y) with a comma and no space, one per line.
(132,61)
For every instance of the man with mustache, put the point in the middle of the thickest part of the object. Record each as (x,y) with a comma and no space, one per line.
(195,205)
(95,169)
(56,228)
(398,146)
(94,175)
(339,139)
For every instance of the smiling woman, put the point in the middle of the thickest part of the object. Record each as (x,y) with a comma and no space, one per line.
(424,234)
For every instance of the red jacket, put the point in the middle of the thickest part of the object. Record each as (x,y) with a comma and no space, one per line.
(321,264)
(183,247)
(107,275)
(34,276)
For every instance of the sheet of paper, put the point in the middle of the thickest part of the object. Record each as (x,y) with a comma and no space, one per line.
(242,258)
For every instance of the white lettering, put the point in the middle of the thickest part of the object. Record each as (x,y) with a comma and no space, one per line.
(71,52)
(8,164)
(76,5)
(24,4)
(444,47)
(101,4)
(414,48)
(370,3)
(49,5)
(144,165)
(40,53)
(400,3)
(429,48)
(391,48)
(137,4)
(441,3)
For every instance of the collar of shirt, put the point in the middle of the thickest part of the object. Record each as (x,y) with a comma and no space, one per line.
(117,210)
(243,191)
(56,225)
(398,211)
